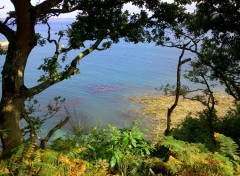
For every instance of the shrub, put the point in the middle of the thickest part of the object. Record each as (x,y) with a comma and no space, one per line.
(124,149)
(197,130)
(194,130)
(229,125)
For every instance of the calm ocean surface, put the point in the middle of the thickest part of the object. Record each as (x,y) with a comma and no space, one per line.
(108,78)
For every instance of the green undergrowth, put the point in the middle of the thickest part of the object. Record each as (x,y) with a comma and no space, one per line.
(113,151)
(196,130)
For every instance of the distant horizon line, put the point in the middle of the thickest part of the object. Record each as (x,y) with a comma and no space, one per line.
(53,18)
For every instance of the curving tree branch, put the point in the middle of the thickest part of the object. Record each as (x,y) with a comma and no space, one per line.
(64,75)
(178,88)
(55,8)
(52,131)
(45,6)
(7,32)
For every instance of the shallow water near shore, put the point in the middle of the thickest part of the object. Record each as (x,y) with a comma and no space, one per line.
(108,78)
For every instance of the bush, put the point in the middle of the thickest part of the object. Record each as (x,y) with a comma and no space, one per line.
(197,130)
(194,130)
(124,150)
(229,125)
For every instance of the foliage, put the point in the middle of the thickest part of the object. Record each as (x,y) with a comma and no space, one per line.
(124,149)
(212,34)
(98,24)
(171,90)
(227,147)
(197,130)
(194,159)
(36,116)
(28,160)
(194,130)
(229,125)
(121,144)
(222,55)
(214,27)
(124,152)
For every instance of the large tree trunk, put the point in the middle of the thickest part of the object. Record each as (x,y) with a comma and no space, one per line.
(12,102)
(11,110)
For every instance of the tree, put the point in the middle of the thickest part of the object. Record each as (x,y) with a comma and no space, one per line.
(212,33)
(99,22)
(177,90)
(213,30)
(216,25)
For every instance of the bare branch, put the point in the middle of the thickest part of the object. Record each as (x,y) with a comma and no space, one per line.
(33,134)
(223,78)
(7,19)
(11,15)
(52,131)
(195,90)
(58,50)
(49,37)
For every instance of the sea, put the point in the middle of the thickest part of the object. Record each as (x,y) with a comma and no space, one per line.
(107,79)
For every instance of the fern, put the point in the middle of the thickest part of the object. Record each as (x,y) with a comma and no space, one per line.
(193,159)
(4,168)
(228,147)
(28,160)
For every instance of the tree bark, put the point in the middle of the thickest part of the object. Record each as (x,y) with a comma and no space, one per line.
(12,101)
(10,111)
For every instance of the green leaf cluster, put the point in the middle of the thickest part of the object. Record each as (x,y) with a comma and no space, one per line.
(120,147)
(171,90)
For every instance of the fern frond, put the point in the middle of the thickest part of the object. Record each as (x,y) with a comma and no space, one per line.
(228,147)
(189,158)
(4,168)
(29,150)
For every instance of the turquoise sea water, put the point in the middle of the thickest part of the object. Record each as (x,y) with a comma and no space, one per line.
(108,78)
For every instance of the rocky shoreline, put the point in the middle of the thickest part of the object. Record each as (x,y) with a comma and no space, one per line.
(154,109)
(3,44)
